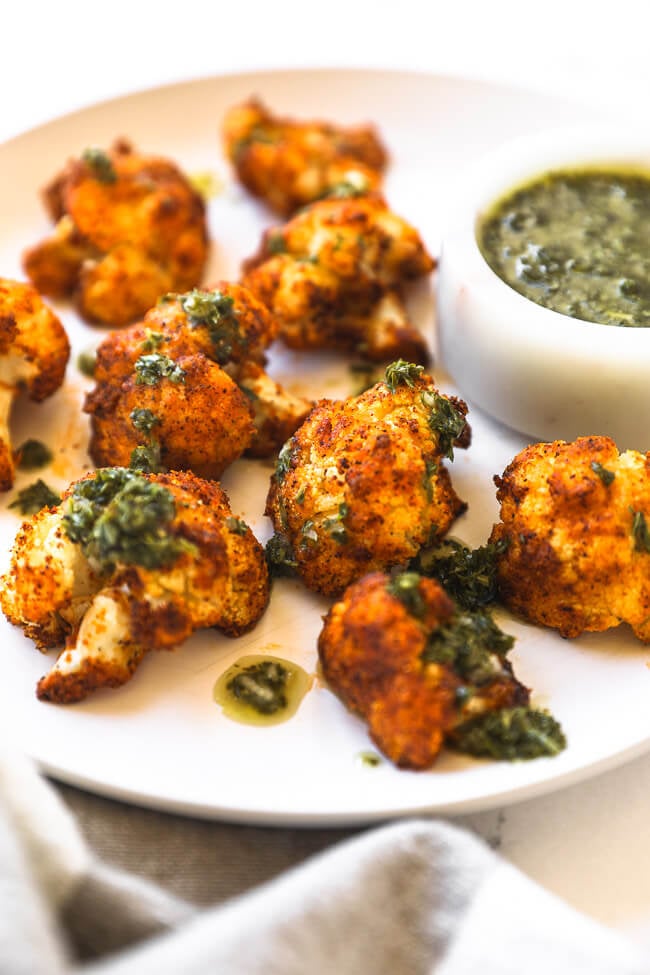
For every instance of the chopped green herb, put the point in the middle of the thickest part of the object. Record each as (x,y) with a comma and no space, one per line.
(444,420)
(33,454)
(99,163)
(405,586)
(263,686)
(217,313)
(151,340)
(606,476)
(146,457)
(430,471)
(510,734)
(280,556)
(236,526)
(463,694)
(472,644)
(309,533)
(353,184)
(283,463)
(640,531)
(143,420)
(276,244)
(87,363)
(120,516)
(334,526)
(370,759)
(256,134)
(467,575)
(402,373)
(150,369)
(300,497)
(34,497)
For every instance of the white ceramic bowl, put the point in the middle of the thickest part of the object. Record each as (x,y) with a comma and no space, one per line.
(543,373)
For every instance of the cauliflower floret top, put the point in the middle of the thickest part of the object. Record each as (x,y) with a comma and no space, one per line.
(333,276)
(289,163)
(130,562)
(129,228)
(574,520)
(186,387)
(361,485)
(34,353)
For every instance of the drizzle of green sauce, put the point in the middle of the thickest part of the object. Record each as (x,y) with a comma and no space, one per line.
(33,454)
(34,497)
(261,690)
(576,242)
(151,369)
(119,516)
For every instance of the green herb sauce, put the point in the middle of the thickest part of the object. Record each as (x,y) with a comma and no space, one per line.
(405,586)
(216,312)
(120,516)
(261,690)
(151,369)
(467,575)
(236,526)
(576,242)
(510,734)
(100,165)
(34,497)
(33,454)
(280,557)
(472,644)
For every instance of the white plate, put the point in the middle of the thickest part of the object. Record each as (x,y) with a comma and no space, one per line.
(161,741)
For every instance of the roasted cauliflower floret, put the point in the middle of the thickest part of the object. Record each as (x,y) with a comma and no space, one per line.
(129,228)
(361,485)
(398,653)
(34,353)
(130,562)
(575,540)
(289,163)
(333,277)
(187,387)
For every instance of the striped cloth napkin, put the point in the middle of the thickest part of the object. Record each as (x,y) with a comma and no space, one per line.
(406,898)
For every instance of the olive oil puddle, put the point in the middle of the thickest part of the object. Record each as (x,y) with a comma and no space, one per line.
(259,689)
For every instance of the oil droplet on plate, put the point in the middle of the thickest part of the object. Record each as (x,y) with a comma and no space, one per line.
(369,759)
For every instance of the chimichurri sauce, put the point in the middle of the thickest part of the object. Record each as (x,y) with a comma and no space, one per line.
(577,242)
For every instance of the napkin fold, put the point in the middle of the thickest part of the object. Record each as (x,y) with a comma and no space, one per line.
(415,896)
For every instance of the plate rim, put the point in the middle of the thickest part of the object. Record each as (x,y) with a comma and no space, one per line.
(198,809)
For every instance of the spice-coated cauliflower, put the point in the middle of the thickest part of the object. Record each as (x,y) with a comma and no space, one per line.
(130,562)
(186,387)
(361,485)
(129,228)
(34,353)
(574,534)
(333,277)
(289,163)
(399,654)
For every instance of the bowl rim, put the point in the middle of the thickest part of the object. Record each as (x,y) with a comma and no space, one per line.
(501,171)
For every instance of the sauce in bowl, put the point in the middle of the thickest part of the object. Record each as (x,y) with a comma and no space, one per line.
(576,242)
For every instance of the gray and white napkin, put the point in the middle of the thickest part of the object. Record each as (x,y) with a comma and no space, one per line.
(412,897)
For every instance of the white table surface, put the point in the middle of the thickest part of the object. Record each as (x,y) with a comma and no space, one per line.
(589,843)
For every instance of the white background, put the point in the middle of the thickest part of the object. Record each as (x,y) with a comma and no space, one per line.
(589,843)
